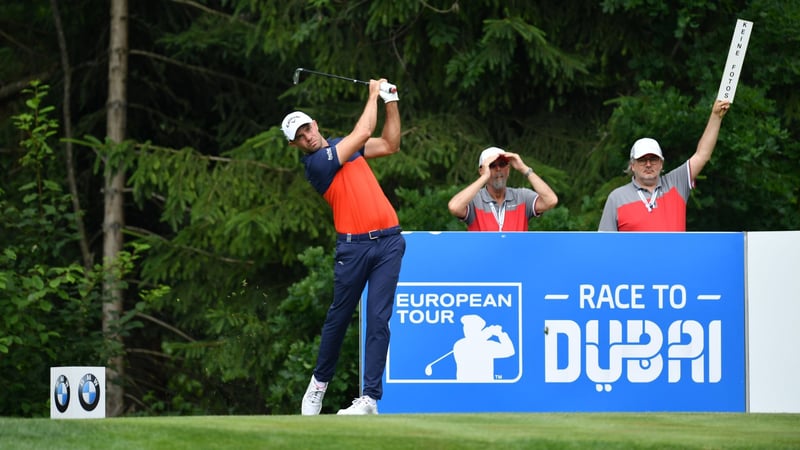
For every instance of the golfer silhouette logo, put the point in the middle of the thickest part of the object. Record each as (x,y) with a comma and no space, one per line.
(475,353)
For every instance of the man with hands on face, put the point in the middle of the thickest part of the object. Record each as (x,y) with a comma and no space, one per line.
(489,205)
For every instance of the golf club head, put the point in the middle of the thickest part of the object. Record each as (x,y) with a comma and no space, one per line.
(296,77)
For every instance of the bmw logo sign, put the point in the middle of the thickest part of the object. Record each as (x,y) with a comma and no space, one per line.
(61,394)
(89,392)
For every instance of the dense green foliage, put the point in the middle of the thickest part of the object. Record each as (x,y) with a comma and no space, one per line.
(218,209)
(51,307)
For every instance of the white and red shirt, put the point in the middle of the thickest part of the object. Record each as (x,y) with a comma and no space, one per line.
(634,208)
(512,214)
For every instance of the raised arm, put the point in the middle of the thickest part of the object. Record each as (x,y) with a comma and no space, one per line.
(389,142)
(705,147)
(458,204)
(364,128)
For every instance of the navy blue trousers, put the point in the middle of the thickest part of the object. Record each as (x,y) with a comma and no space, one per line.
(374,263)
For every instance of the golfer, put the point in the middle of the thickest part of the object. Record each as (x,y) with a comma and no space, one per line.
(476,351)
(369,246)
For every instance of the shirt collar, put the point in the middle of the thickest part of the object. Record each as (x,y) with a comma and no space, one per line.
(487,197)
(641,188)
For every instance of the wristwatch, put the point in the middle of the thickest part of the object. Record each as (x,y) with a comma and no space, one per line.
(528,172)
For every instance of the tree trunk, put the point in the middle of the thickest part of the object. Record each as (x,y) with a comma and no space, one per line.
(71,181)
(114,220)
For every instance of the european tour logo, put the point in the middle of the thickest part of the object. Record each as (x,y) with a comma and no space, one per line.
(456,333)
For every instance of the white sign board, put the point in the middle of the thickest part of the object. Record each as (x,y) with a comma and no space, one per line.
(773,306)
(77,392)
(733,66)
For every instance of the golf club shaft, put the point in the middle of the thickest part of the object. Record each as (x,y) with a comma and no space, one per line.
(330,75)
(441,358)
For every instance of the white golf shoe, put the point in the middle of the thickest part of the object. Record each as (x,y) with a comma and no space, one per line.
(362,406)
(312,400)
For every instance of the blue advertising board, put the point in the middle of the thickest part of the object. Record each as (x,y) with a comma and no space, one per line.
(562,322)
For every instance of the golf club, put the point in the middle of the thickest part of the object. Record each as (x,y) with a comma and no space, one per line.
(296,77)
(429,367)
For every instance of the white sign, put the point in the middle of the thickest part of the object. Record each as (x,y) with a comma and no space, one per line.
(77,392)
(733,66)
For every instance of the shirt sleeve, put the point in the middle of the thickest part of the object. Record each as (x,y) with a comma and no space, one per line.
(608,221)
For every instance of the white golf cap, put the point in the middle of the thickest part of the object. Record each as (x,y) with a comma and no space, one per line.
(646,146)
(489,152)
(292,122)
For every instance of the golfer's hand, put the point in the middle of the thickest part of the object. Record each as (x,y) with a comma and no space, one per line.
(375,88)
(388,92)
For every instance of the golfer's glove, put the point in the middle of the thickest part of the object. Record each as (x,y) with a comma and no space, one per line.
(388,92)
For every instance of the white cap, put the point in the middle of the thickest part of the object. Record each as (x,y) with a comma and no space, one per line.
(489,152)
(292,122)
(646,146)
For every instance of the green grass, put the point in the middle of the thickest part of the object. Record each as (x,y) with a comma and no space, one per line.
(407,431)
